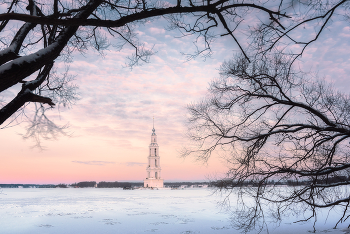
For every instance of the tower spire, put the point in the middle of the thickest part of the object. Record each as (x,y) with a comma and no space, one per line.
(153,178)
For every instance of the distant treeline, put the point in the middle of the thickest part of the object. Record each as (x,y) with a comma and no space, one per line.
(84,184)
(116,184)
(104,184)
(231,183)
(178,184)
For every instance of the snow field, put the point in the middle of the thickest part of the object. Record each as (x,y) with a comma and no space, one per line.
(93,210)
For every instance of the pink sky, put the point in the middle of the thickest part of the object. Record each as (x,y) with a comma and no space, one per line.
(110,127)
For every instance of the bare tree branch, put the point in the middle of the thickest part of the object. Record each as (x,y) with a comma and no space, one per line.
(275,123)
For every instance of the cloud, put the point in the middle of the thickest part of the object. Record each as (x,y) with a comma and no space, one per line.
(157,30)
(131,164)
(95,163)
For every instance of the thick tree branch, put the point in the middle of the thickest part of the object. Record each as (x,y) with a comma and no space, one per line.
(13,72)
(26,95)
(149,13)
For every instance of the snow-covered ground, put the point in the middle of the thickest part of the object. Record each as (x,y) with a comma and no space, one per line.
(114,211)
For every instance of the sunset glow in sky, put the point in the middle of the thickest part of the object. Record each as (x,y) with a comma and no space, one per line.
(110,126)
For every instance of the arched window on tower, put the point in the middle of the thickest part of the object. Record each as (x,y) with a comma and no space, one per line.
(156,175)
(155,152)
(155,163)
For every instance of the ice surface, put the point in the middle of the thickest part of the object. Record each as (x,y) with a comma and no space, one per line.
(97,210)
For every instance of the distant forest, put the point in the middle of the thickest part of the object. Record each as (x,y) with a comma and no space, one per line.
(324,181)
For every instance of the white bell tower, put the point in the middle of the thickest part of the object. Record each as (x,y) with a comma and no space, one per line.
(154,179)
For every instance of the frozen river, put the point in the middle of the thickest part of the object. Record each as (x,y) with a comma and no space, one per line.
(115,211)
